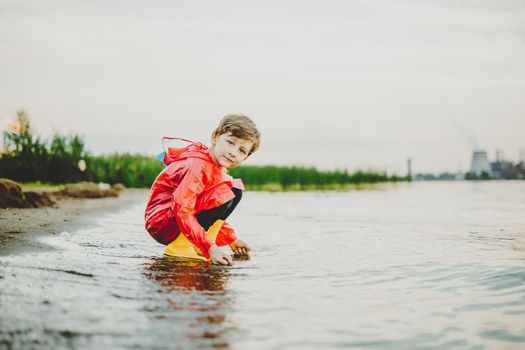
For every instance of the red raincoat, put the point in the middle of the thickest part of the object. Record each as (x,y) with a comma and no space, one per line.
(190,183)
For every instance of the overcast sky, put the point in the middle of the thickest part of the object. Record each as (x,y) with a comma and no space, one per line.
(355,84)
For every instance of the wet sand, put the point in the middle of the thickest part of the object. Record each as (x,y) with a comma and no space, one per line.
(20,228)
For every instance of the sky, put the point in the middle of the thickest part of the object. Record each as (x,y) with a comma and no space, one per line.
(355,84)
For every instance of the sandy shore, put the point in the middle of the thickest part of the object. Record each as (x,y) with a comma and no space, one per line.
(19,228)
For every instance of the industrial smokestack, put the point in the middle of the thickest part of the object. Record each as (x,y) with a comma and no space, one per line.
(480,163)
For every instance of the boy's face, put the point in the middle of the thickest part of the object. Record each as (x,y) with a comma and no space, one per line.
(229,151)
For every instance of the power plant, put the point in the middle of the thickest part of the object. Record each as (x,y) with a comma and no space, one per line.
(481,168)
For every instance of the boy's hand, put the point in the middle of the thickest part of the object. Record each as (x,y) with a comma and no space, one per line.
(240,247)
(217,256)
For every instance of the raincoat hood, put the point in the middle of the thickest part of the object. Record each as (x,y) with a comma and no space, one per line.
(192,150)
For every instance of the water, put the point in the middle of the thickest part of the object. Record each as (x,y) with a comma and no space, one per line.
(423,266)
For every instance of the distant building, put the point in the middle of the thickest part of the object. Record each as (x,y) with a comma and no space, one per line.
(480,164)
(517,171)
(500,169)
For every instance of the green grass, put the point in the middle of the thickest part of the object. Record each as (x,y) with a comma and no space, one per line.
(50,163)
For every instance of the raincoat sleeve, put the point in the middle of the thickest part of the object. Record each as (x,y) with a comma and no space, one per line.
(226,235)
(184,199)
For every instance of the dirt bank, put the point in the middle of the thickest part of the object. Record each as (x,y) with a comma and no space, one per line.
(19,227)
(13,195)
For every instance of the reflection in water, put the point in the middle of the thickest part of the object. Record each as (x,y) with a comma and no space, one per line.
(237,257)
(196,291)
(175,274)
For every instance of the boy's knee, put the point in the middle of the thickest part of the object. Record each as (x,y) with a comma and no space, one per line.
(238,194)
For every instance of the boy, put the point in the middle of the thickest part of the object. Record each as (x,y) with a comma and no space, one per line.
(195,190)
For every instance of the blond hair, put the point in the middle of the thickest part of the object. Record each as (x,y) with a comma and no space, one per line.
(241,126)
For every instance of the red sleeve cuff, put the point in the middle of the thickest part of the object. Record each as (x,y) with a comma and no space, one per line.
(226,235)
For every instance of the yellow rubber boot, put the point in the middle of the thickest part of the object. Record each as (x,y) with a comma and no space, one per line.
(183,248)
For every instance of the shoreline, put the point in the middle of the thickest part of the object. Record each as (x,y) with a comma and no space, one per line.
(21,228)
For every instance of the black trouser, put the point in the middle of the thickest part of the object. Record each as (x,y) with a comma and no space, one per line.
(207,217)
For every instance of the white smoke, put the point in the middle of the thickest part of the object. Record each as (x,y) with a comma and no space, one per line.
(467,135)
